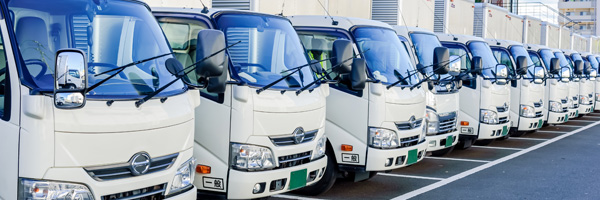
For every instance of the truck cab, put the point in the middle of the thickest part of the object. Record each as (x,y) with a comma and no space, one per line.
(591,74)
(485,105)
(527,89)
(381,126)
(259,136)
(573,99)
(442,91)
(586,86)
(557,84)
(88,106)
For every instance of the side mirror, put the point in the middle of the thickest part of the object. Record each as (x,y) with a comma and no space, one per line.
(358,76)
(208,43)
(501,73)
(316,67)
(441,58)
(70,80)
(455,66)
(554,66)
(477,64)
(218,84)
(459,84)
(342,51)
(587,68)
(565,74)
(578,67)
(593,74)
(521,65)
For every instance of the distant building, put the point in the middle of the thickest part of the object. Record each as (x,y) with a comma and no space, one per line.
(583,12)
(510,5)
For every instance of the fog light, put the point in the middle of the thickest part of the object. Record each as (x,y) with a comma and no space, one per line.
(389,162)
(258,188)
(277,185)
(312,176)
(400,160)
(431,143)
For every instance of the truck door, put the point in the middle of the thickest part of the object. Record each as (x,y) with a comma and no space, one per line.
(9,115)
(470,89)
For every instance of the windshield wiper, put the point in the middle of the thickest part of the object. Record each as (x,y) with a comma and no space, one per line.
(327,74)
(180,75)
(120,69)
(294,70)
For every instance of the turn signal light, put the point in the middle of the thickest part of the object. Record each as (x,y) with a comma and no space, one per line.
(464,123)
(346,147)
(202,169)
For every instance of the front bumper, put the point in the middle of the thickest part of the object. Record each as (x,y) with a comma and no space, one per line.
(124,185)
(586,108)
(573,112)
(439,142)
(492,131)
(241,183)
(401,157)
(557,118)
(528,124)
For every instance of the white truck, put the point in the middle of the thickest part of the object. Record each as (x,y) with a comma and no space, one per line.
(442,91)
(591,73)
(485,96)
(596,66)
(573,99)
(586,86)
(123,131)
(380,127)
(557,84)
(260,136)
(527,89)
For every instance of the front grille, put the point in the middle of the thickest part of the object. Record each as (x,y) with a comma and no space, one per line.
(294,160)
(290,140)
(538,114)
(563,101)
(537,105)
(501,109)
(565,109)
(503,120)
(150,193)
(409,141)
(590,95)
(447,122)
(123,170)
(574,98)
(409,125)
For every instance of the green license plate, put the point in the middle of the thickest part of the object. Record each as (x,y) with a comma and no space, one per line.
(504,130)
(566,117)
(577,113)
(298,179)
(412,157)
(449,141)
(540,123)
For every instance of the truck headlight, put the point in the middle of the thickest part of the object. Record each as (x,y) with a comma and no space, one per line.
(583,99)
(570,103)
(555,106)
(251,157)
(598,96)
(383,138)
(433,127)
(47,190)
(425,130)
(321,147)
(184,177)
(527,111)
(488,117)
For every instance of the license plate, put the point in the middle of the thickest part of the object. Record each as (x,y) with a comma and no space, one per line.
(541,123)
(298,179)
(566,118)
(504,130)
(412,157)
(449,141)
(577,113)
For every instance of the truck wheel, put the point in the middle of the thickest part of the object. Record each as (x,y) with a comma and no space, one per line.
(484,142)
(326,181)
(442,152)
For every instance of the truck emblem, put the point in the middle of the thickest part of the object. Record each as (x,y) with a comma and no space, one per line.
(413,122)
(140,163)
(298,135)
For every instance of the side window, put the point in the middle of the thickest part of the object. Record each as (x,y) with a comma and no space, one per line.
(504,58)
(4,85)
(536,60)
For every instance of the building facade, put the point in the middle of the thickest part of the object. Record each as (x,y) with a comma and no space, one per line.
(583,13)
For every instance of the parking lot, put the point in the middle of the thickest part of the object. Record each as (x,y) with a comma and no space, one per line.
(555,162)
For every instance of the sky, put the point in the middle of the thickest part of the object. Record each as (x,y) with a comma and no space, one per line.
(552,3)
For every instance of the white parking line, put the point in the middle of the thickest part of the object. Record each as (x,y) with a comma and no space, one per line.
(287,196)
(574,126)
(503,148)
(488,165)
(592,116)
(583,120)
(410,176)
(560,132)
(458,159)
(524,138)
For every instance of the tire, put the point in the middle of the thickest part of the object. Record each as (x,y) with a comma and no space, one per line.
(442,152)
(328,179)
(484,142)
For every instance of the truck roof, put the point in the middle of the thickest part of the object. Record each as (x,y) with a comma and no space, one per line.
(535,47)
(405,30)
(458,38)
(568,51)
(325,21)
(502,43)
(198,11)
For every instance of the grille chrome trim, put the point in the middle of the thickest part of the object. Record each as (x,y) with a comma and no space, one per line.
(409,141)
(447,122)
(122,170)
(294,160)
(502,120)
(151,192)
(409,125)
(539,114)
(289,139)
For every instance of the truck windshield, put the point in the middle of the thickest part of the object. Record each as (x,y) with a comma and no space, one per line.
(547,55)
(111,33)
(593,62)
(576,56)
(519,50)
(481,49)
(424,45)
(269,45)
(386,55)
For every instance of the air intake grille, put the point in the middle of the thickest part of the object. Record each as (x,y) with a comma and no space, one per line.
(409,141)
(447,122)
(150,193)
(294,160)
(503,120)
(501,109)
(409,125)
(290,140)
(119,171)
(539,114)
(537,105)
